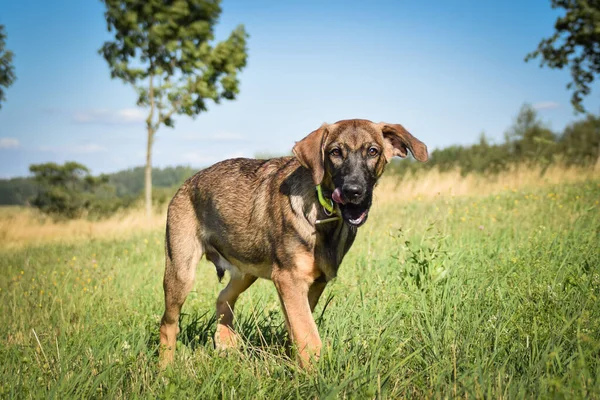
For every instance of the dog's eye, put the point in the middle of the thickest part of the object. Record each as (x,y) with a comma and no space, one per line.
(373,151)
(335,152)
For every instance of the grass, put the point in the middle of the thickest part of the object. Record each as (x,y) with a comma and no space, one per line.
(488,294)
(23,226)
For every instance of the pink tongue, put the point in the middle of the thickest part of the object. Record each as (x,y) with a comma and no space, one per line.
(337,196)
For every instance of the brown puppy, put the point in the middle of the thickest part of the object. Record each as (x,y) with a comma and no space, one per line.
(263,219)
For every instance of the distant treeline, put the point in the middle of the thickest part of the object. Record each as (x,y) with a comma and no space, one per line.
(126,183)
(528,141)
(69,190)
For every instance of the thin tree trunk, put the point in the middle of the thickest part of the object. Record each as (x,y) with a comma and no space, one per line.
(151,131)
(148,174)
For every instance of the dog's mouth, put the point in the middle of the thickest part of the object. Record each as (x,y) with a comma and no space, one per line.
(354,214)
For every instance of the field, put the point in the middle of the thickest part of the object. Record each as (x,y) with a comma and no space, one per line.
(455,287)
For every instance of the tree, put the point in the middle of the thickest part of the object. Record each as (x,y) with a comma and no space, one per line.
(529,139)
(580,142)
(575,43)
(16,191)
(7,70)
(69,191)
(164,49)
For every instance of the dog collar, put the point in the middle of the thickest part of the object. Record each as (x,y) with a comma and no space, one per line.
(328,208)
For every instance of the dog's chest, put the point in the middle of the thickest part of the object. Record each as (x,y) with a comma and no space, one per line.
(333,244)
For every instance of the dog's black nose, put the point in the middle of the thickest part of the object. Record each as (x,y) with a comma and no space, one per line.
(352,192)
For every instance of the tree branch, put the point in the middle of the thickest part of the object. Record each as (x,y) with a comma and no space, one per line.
(163,117)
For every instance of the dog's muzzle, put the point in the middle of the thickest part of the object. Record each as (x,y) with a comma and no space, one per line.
(353,203)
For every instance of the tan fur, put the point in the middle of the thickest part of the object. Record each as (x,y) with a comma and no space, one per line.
(225,336)
(293,288)
(257,219)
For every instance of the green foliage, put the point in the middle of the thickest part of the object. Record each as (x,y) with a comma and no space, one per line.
(16,191)
(575,44)
(482,157)
(528,139)
(527,142)
(130,182)
(506,307)
(69,191)
(128,185)
(165,50)
(7,70)
(580,142)
(426,259)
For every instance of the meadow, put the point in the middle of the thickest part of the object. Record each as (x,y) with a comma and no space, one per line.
(474,287)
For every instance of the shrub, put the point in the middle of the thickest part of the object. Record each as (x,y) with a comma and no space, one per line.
(69,191)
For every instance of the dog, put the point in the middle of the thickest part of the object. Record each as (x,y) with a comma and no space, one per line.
(290,220)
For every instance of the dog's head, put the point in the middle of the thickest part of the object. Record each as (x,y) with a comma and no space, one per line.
(348,157)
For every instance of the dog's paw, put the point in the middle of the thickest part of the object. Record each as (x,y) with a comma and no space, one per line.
(225,338)
(166,356)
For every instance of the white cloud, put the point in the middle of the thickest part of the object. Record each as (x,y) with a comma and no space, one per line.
(545,105)
(88,148)
(110,117)
(9,143)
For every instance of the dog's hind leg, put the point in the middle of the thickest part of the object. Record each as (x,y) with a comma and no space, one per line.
(182,253)
(225,337)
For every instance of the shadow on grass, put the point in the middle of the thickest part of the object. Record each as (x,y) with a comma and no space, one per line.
(259,326)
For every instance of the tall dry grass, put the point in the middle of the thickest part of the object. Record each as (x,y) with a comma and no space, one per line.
(432,183)
(20,226)
(25,226)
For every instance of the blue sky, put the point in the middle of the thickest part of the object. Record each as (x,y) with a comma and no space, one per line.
(445,70)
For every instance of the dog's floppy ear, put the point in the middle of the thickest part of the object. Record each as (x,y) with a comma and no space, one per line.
(310,151)
(398,140)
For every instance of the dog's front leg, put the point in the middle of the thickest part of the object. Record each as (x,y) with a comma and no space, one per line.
(293,283)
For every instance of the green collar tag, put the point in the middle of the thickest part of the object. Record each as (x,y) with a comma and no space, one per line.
(326,203)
